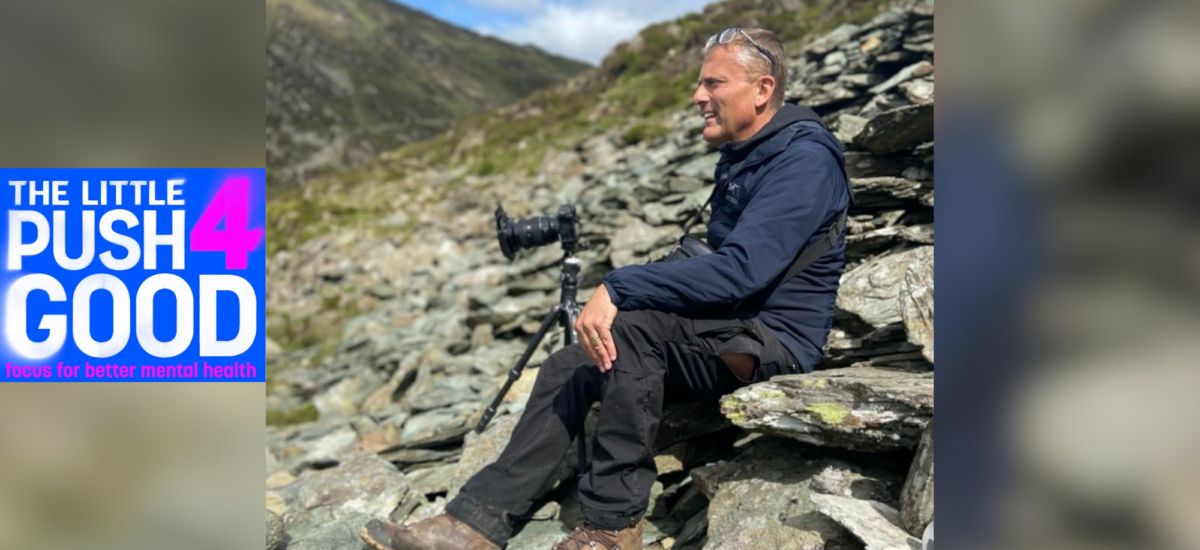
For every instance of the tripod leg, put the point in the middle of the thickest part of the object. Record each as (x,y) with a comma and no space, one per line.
(571,314)
(515,373)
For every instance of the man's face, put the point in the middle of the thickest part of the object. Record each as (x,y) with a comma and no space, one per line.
(727,98)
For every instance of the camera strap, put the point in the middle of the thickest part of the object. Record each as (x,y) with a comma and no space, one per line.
(814,251)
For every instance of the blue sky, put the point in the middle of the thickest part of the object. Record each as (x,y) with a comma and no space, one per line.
(580,29)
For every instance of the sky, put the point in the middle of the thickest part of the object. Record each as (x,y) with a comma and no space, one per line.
(579,29)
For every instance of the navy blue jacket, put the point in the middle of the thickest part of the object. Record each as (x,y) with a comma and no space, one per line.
(786,188)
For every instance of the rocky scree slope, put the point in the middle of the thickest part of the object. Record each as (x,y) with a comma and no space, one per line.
(347,79)
(379,424)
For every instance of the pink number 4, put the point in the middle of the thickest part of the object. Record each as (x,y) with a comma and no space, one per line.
(232,203)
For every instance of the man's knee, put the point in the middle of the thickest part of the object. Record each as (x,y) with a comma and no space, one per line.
(563,362)
(569,366)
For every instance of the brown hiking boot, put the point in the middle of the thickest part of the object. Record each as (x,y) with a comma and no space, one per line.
(442,532)
(589,537)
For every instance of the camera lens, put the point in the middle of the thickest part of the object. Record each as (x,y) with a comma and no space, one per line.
(525,233)
(534,231)
(515,235)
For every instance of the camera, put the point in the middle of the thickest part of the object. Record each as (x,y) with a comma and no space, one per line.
(686,247)
(537,231)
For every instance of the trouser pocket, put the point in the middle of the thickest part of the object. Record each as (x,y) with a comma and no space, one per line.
(747,336)
(731,336)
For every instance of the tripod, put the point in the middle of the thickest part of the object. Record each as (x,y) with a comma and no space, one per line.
(564,312)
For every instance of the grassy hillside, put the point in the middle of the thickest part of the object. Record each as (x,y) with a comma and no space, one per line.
(347,79)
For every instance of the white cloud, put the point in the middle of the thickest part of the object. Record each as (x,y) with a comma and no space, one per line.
(589,29)
(510,5)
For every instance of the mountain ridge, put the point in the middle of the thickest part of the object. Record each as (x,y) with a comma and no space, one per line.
(347,79)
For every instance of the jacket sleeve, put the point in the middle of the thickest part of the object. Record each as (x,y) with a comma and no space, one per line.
(794,196)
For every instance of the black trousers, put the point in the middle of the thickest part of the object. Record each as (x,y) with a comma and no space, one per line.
(661,358)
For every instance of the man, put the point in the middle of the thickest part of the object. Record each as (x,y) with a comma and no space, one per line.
(689,329)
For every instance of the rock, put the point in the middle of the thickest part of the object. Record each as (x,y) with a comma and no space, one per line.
(916,70)
(318,452)
(548,511)
(916,498)
(897,130)
(425,511)
(481,336)
(335,273)
(685,185)
(508,309)
(847,482)
(272,463)
(836,58)
(280,479)
(760,500)
(273,349)
(675,458)
(404,458)
(872,42)
(344,397)
(880,193)
(827,43)
(862,164)
(275,503)
(871,291)
(328,507)
(700,168)
(340,532)
(916,306)
(382,400)
(919,173)
(538,535)
(859,408)
(274,531)
(864,245)
(883,346)
(861,80)
(382,291)
(920,92)
(632,243)
(848,127)
(434,391)
(431,480)
(872,522)
(437,427)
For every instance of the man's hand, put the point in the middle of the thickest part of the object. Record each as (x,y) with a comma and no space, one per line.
(594,327)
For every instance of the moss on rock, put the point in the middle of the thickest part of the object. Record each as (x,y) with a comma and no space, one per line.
(831,414)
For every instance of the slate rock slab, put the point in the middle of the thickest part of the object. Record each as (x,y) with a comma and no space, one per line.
(858,408)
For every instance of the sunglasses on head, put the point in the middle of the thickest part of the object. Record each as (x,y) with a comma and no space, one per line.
(728,35)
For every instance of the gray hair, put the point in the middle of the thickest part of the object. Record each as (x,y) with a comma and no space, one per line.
(755,63)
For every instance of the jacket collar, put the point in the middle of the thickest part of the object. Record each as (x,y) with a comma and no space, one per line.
(771,139)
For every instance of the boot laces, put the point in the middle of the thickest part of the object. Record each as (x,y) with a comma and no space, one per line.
(586,537)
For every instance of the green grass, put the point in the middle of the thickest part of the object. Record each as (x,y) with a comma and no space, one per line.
(305,413)
(643,131)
